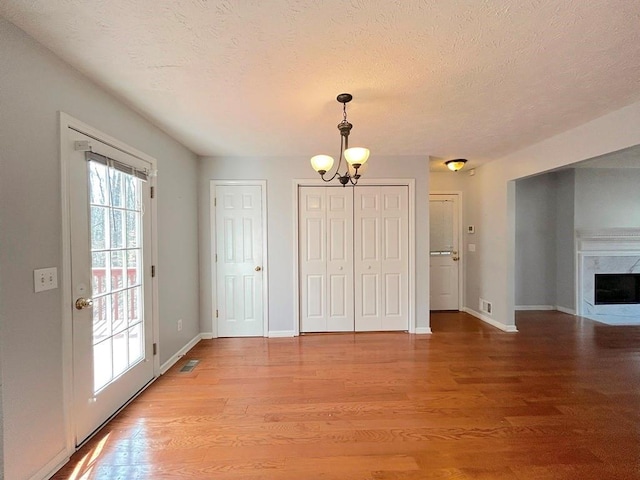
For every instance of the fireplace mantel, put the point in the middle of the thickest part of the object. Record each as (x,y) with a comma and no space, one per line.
(611,250)
(616,240)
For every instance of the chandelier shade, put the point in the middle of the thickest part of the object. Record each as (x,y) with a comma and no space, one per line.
(322,163)
(354,157)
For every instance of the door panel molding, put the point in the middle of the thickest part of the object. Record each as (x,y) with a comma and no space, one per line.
(326,269)
(408,182)
(66,123)
(214,271)
(382,270)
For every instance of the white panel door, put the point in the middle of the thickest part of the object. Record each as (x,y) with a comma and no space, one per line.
(444,252)
(381,238)
(239,262)
(326,259)
(111,281)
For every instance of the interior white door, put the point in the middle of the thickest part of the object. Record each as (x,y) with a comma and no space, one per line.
(381,232)
(444,252)
(239,264)
(111,281)
(326,259)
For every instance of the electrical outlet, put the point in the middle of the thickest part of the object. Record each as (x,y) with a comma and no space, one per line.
(45,279)
(180,325)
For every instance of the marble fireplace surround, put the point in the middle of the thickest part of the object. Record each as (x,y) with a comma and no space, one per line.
(612,250)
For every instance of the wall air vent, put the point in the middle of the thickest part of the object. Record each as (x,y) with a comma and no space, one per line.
(485,306)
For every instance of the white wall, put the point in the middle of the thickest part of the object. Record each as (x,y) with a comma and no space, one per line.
(495,199)
(279,174)
(34,86)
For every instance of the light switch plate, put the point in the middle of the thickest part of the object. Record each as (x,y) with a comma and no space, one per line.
(45,279)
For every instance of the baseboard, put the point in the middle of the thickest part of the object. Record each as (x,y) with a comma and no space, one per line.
(570,311)
(59,461)
(534,307)
(179,354)
(281,333)
(207,336)
(525,308)
(491,321)
(423,330)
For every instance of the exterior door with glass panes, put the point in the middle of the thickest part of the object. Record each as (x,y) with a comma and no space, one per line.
(111,282)
(444,252)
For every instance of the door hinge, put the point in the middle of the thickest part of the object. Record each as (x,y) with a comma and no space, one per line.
(216,313)
(153,271)
(153,192)
(216,257)
(215,201)
(155,348)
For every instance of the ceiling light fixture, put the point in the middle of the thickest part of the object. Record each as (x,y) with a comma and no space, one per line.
(455,165)
(354,156)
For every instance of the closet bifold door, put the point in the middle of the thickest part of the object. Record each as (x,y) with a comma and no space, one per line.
(326,259)
(381,267)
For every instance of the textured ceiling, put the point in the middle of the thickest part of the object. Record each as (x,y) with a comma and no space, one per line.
(455,78)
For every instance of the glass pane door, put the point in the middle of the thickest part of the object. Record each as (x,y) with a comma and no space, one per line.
(116,268)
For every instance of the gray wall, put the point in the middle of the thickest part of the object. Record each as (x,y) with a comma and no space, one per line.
(34,86)
(535,266)
(565,247)
(607,198)
(279,174)
(544,262)
(549,208)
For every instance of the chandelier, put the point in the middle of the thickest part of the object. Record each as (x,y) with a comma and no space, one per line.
(355,157)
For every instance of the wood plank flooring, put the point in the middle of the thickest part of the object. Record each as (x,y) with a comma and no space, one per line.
(559,400)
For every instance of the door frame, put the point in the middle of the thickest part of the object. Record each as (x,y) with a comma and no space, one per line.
(213,248)
(378,182)
(461,244)
(67,122)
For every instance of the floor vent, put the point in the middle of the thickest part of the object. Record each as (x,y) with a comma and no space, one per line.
(189,366)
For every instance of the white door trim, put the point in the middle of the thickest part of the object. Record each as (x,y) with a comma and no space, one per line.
(307,182)
(67,122)
(265,262)
(461,243)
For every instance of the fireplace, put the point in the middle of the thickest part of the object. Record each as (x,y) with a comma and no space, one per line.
(617,288)
(608,275)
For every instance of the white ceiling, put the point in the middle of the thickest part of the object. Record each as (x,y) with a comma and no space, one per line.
(456,78)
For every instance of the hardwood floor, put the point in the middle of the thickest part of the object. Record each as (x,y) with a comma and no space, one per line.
(559,400)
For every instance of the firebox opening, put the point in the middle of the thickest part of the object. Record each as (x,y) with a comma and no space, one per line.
(617,288)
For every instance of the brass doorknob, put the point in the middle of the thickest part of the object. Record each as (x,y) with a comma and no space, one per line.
(83,303)
(258,269)
(455,256)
